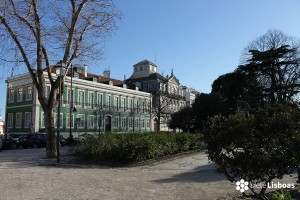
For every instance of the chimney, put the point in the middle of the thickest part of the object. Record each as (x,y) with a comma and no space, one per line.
(85,70)
(106,73)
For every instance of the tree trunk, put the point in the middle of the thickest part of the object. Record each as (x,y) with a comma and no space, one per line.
(50,133)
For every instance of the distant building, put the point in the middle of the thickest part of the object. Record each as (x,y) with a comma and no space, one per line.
(168,96)
(102,104)
(2,128)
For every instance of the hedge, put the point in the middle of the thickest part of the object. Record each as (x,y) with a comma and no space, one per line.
(134,147)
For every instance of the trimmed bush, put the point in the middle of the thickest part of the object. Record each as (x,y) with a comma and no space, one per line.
(129,147)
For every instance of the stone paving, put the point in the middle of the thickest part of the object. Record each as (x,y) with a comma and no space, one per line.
(25,174)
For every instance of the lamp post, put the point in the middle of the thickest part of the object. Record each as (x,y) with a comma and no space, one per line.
(60,71)
(71,106)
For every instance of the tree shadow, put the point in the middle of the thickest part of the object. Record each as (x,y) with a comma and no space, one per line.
(201,174)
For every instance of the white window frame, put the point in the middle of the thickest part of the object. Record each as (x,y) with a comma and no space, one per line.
(80,104)
(131,104)
(116,122)
(91,101)
(19,121)
(10,120)
(68,120)
(116,103)
(61,120)
(123,103)
(27,120)
(108,102)
(90,121)
(142,123)
(100,100)
(47,91)
(130,122)
(28,95)
(123,122)
(81,125)
(11,95)
(70,96)
(20,94)
(42,120)
(148,123)
(136,123)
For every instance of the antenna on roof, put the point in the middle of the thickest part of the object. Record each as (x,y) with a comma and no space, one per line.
(155,58)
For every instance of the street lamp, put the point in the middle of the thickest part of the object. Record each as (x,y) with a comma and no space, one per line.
(60,71)
(72,107)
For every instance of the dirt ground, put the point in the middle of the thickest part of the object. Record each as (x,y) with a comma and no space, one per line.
(25,175)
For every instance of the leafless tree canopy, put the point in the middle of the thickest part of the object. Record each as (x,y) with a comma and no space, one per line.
(64,30)
(36,34)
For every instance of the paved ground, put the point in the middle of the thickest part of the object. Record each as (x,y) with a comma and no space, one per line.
(24,176)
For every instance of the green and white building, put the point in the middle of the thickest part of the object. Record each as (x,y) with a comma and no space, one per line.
(102,104)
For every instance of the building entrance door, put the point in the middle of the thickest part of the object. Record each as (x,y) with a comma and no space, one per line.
(108,124)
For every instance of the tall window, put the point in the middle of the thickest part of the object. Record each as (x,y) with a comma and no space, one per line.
(130,122)
(11,95)
(47,92)
(108,102)
(90,121)
(116,103)
(42,120)
(143,123)
(100,100)
(68,120)
(148,123)
(137,106)
(20,94)
(131,104)
(18,120)
(60,120)
(81,98)
(10,120)
(29,92)
(80,120)
(116,122)
(70,97)
(123,103)
(136,123)
(91,100)
(123,122)
(27,121)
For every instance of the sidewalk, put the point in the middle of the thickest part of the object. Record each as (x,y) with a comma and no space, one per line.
(24,175)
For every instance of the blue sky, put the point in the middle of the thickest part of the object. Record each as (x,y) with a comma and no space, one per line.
(199,39)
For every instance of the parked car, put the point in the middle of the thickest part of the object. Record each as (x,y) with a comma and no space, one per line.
(9,143)
(1,143)
(19,139)
(34,140)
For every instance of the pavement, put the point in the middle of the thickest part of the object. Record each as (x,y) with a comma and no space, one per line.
(25,174)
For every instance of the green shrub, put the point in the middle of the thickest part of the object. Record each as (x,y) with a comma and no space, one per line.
(129,147)
(282,195)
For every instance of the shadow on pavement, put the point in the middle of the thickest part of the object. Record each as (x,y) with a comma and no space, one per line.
(201,174)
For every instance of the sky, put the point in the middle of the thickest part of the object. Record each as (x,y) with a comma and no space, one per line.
(199,39)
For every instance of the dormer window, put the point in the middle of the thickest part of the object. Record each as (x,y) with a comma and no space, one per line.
(141,68)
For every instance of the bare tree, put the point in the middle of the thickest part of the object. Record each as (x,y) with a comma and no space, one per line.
(39,33)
